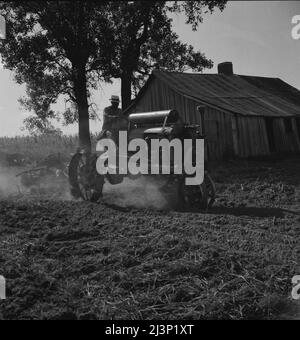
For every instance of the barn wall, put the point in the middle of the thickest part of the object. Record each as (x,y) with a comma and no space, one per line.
(153,99)
(286,140)
(252,136)
(219,135)
(227,135)
(218,131)
(296,135)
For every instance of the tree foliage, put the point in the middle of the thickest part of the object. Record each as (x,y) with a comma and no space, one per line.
(52,47)
(144,39)
(69,47)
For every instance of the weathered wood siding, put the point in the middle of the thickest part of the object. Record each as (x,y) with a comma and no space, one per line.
(286,141)
(218,131)
(252,136)
(227,135)
(218,134)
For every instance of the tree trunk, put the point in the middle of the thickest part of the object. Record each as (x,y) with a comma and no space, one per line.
(126,81)
(80,86)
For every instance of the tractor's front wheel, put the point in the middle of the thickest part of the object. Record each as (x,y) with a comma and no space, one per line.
(84,180)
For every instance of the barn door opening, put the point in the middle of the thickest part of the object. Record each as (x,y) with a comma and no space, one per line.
(298,126)
(270,132)
(288,125)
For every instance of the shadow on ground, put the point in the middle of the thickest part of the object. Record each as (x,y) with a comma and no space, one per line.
(252,211)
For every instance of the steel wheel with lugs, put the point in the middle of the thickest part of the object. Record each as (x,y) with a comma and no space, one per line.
(210,189)
(84,180)
(193,197)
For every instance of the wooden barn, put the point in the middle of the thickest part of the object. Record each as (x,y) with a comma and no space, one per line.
(245,116)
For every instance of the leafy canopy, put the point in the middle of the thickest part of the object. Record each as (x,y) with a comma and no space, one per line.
(67,48)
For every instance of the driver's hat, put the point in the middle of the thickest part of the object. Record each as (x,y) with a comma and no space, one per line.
(115,99)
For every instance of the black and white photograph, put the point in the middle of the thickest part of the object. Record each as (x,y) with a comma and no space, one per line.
(149,163)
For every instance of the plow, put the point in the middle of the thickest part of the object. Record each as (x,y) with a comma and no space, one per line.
(50,173)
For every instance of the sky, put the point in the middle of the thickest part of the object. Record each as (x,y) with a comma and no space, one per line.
(254,35)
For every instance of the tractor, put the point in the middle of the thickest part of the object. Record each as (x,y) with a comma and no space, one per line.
(87,184)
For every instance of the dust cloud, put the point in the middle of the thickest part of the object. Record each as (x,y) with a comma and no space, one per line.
(47,188)
(140,193)
(8,182)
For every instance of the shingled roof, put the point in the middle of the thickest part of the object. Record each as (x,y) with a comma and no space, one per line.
(245,95)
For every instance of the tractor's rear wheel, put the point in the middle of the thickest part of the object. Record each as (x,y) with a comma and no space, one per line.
(201,196)
(84,180)
(189,197)
(210,189)
(193,197)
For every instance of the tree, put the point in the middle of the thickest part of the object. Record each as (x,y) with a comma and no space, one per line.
(144,40)
(68,47)
(51,46)
(38,126)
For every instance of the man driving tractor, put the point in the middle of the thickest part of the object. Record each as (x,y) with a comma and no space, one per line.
(113,120)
